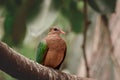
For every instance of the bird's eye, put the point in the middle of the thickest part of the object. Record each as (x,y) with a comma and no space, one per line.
(55,29)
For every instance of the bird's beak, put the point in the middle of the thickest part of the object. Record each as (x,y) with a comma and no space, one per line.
(62,32)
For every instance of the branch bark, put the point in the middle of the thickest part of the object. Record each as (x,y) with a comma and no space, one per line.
(20,67)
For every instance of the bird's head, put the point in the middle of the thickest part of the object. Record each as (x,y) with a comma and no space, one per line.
(56,30)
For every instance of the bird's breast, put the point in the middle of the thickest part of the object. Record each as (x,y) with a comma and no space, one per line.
(56,52)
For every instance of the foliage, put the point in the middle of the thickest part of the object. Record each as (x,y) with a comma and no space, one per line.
(18,12)
(103,6)
(74,15)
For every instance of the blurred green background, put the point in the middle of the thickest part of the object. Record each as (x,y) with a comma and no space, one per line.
(23,23)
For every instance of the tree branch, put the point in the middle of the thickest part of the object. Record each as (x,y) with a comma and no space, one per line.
(20,67)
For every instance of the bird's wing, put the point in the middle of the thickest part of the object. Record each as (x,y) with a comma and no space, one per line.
(41,51)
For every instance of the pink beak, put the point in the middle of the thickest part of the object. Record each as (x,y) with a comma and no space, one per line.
(62,32)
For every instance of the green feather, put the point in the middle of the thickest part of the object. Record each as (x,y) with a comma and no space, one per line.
(41,51)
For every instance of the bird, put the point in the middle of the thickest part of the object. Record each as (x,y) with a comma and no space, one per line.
(51,50)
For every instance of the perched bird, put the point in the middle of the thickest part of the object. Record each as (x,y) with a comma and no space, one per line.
(52,49)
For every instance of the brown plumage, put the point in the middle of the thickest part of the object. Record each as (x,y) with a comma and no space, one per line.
(56,51)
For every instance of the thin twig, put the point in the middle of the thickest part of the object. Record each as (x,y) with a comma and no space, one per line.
(85,36)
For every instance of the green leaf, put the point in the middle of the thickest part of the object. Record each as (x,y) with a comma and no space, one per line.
(103,6)
(36,8)
(57,4)
(8,27)
(74,15)
(12,6)
(76,21)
